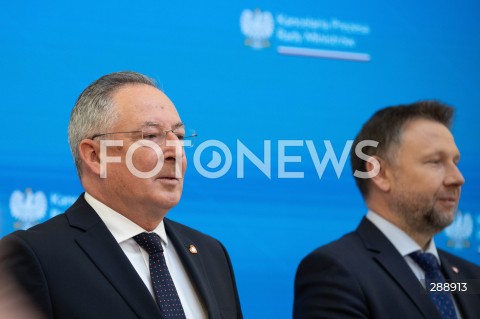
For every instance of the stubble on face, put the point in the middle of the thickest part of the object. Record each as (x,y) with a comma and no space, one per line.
(424,181)
(420,213)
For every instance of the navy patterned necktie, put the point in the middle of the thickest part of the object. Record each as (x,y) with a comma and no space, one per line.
(163,286)
(442,299)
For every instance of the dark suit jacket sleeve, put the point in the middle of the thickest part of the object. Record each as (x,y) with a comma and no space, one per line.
(237,299)
(19,259)
(326,289)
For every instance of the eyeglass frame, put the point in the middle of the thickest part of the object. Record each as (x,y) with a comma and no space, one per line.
(164,133)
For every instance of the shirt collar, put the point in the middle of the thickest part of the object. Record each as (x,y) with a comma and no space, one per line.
(399,239)
(120,226)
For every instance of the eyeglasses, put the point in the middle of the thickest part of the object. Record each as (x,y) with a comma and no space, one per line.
(155,134)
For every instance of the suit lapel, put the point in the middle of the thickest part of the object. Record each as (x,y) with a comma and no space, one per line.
(193,264)
(395,266)
(102,249)
(454,274)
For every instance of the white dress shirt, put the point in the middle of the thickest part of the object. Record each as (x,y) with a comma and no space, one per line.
(405,246)
(123,230)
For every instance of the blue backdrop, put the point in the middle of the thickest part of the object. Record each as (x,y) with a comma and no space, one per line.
(270,77)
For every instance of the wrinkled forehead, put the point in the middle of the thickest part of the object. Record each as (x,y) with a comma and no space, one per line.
(143,105)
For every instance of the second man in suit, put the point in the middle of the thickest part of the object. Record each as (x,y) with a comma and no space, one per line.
(405,162)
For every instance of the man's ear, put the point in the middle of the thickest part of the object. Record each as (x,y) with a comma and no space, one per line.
(90,155)
(382,178)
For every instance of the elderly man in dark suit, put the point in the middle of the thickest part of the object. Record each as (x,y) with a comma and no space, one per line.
(405,163)
(114,254)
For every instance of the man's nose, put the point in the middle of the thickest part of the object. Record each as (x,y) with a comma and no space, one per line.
(454,176)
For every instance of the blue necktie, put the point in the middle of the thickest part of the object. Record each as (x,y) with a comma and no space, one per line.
(163,286)
(442,299)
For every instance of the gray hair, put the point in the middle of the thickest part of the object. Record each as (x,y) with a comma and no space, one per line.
(94,111)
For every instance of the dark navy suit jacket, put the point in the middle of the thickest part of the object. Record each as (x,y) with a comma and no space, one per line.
(72,267)
(362,275)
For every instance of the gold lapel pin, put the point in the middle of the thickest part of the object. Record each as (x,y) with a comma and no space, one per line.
(455,269)
(193,249)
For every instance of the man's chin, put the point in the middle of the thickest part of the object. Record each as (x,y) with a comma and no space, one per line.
(168,199)
(443,217)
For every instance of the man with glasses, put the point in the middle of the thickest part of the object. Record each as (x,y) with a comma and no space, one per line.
(113,253)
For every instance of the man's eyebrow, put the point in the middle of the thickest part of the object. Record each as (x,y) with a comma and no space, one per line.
(150,123)
(442,153)
(177,125)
